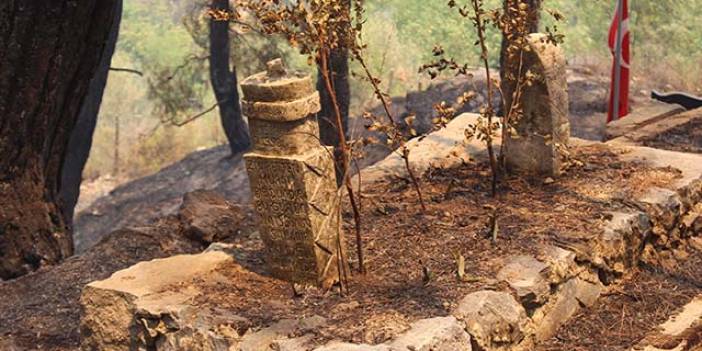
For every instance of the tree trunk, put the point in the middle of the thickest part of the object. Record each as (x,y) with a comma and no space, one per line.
(534,19)
(49,52)
(224,83)
(82,136)
(339,73)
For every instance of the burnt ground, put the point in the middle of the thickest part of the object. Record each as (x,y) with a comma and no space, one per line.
(142,201)
(622,317)
(411,255)
(41,311)
(686,137)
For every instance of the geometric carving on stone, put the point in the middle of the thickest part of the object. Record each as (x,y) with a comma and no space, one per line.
(292,178)
(542,132)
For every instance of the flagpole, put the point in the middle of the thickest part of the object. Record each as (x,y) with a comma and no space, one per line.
(618,61)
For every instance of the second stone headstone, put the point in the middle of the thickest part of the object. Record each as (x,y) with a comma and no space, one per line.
(542,132)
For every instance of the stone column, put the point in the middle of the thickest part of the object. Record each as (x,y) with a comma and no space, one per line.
(292,177)
(542,132)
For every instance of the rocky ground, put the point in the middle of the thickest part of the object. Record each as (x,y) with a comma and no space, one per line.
(627,314)
(413,275)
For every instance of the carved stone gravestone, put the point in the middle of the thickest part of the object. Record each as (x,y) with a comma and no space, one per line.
(543,130)
(292,177)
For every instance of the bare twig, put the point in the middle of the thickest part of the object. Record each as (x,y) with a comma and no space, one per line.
(127,70)
(405,153)
(324,62)
(489,111)
(196,116)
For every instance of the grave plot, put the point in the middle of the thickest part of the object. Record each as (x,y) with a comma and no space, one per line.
(559,246)
(667,129)
(656,306)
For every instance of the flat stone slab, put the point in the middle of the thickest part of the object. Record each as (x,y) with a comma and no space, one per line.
(640,118)
(641,133)
(690,165)
(117,309)
(444,148)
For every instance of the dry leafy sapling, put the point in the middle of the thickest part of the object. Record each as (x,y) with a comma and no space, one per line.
(514,22)
(396,136)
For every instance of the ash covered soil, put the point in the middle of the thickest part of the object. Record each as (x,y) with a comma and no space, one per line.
(410,254)
(686,137)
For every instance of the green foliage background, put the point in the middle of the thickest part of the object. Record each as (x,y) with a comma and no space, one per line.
(667,54)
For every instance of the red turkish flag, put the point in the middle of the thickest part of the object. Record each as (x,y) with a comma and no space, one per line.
(626,56)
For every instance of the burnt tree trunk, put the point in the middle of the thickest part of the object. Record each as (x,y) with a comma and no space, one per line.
(49,52)
(339,72)
(82,136)
(326,118)
(224,83)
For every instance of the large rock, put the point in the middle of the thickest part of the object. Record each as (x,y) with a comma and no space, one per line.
(561,263)
(620,244)
(664,206)
(528,277)
(495,320)
(139,308)
(41,310)
(441,149)
(207,217)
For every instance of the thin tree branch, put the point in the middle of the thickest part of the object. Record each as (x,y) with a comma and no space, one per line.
(127,70)
(194,117)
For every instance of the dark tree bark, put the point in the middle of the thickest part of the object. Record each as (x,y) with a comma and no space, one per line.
(82,136)
(49,52)
(339,72)
(224,83)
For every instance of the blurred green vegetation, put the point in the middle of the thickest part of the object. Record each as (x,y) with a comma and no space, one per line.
(158,36)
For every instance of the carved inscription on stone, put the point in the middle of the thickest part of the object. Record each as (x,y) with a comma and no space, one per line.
(284,138)
(292,180)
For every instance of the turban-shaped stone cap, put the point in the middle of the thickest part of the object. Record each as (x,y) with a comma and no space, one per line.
(279,95)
